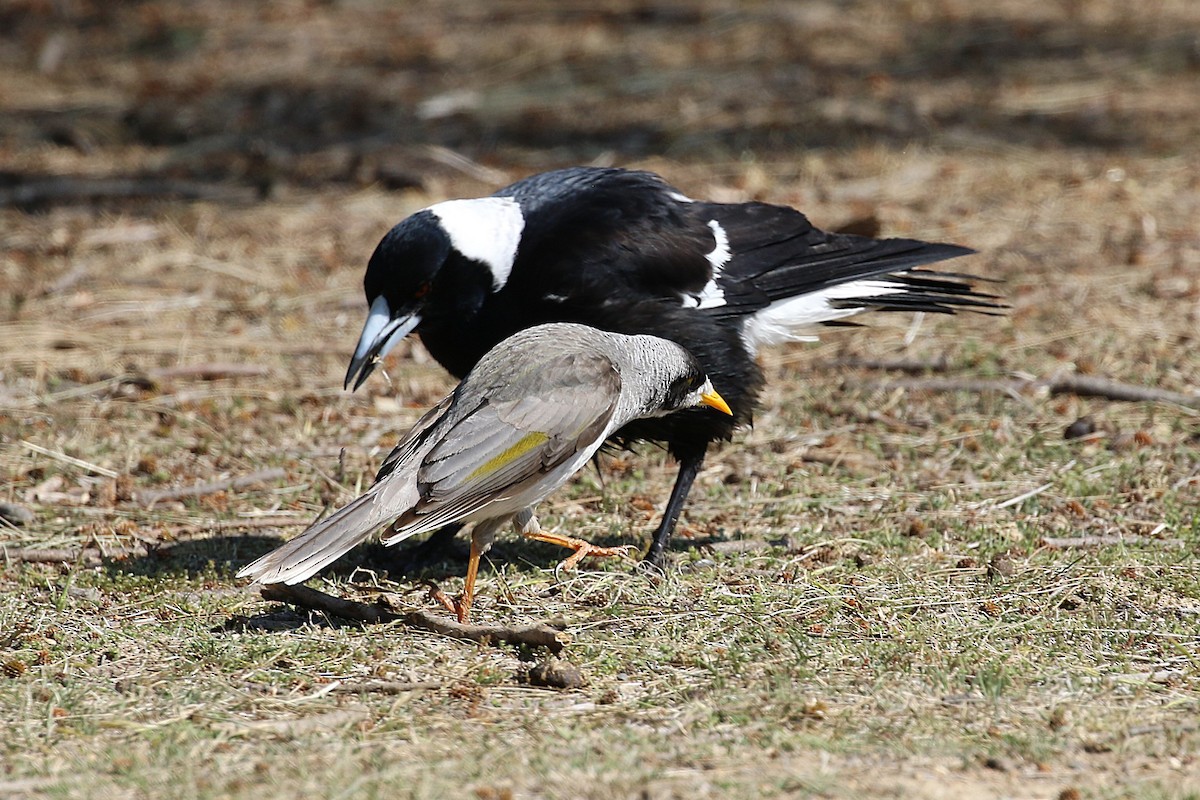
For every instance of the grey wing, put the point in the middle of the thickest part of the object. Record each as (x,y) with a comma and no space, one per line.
(415,437)
(521,431)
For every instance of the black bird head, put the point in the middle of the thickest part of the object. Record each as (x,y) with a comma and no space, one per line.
(439,264)
(398,282)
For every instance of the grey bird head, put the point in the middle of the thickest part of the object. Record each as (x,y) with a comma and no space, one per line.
(531,413)
(658,376)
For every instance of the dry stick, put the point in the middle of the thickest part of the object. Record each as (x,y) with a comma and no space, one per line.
(889,365)
(87,556)
(389,687)
(532,635)
(1082,385)
(75,462)
(1092,386)
(200,489)
(57,555)
(41,191)
(319,601)
(210,371)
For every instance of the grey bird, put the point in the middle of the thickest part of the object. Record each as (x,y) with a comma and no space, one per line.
(530,413)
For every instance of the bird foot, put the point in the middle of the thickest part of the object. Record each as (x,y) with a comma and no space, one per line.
(581,547)
(459,606)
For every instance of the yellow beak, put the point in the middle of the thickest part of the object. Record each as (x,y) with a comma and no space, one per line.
(714,400)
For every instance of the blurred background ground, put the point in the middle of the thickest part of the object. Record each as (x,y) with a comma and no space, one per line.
(188,195)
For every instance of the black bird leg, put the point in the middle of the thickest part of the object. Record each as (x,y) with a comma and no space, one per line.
(689,468)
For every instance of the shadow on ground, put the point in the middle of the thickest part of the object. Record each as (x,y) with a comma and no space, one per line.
(686,85)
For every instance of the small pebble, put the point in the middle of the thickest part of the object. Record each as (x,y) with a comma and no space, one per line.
(85,593)
(1084,426)
(14,514)
(1001,566)
(556,673)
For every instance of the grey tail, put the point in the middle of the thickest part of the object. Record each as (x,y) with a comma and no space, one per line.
(320,545)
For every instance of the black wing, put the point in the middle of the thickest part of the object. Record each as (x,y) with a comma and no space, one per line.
(775,253)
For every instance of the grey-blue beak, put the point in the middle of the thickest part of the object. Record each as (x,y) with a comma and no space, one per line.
(380,334)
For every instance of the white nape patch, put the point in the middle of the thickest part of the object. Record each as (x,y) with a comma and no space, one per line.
(484,229)
(680,198)
(712,296)
(779,321)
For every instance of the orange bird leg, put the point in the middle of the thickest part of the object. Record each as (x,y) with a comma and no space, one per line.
(463,606)
(481,542)
(530,529)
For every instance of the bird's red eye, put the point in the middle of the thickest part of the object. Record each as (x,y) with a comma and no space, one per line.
(422,290)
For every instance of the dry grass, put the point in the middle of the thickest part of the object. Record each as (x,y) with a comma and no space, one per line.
(857,609)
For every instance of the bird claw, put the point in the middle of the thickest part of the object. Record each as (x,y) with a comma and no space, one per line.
(454,606)
(588,549)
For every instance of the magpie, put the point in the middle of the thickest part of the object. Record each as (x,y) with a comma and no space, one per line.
(625,251)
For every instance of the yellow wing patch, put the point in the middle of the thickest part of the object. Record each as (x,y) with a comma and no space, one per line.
(510,454)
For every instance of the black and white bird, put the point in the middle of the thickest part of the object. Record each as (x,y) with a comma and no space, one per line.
(624,251)
(534,409)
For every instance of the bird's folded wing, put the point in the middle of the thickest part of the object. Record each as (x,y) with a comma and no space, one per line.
(776,253)
(529,427)
(413,440)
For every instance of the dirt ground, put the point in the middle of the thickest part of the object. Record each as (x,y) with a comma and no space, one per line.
(904,581)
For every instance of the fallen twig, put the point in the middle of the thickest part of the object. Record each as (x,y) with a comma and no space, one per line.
(389,687)
(66,459)
(57,555)
(38,192)
(1082,385)
(210,372)
(1093,386)
(200,489)
(87,556)
(320,601)
(939,364)
(537,635)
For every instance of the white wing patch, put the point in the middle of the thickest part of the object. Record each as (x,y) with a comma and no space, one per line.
(484,229)
(779,321)
(720,254)
(712,296)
